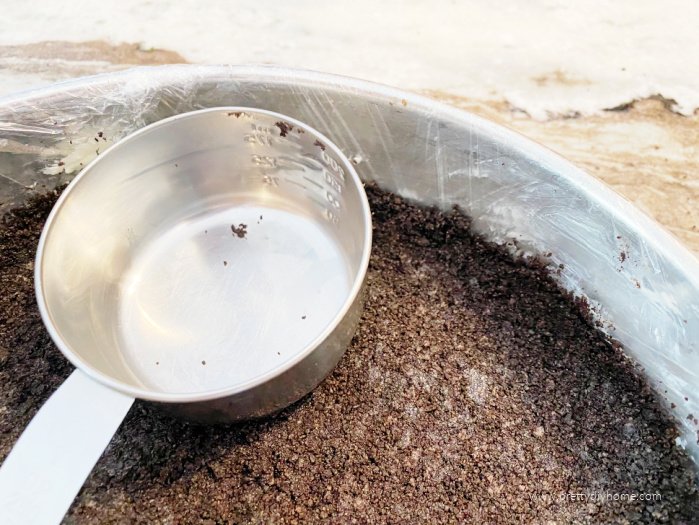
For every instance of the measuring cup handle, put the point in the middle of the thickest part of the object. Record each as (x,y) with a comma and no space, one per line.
(56,452)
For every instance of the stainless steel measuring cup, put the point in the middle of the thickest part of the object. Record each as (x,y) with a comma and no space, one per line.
(213,263)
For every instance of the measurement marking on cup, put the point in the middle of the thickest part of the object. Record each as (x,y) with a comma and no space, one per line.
(332,181)
(264,161)
(318,202)
(334,166)
(331,216)
(327,212)
(314,182)
(261,135)
(332,199)
(292,181)
(270,181)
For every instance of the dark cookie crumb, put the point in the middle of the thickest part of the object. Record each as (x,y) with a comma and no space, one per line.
(284,128)
(319,144)
(239,231)
(473,391)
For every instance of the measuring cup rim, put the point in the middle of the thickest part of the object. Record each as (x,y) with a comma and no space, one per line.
(166,397)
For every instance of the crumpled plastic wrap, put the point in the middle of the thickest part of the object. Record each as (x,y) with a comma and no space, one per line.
(641,283)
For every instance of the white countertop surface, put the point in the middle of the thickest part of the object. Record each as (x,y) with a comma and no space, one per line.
(544,56)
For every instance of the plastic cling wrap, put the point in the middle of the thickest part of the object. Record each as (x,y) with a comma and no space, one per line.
(516,191)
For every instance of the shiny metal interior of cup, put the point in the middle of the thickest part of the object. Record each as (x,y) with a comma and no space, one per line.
(206,254)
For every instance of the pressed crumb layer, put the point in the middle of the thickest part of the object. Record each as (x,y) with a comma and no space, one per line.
(474,390)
